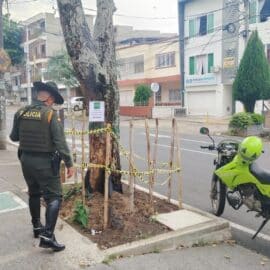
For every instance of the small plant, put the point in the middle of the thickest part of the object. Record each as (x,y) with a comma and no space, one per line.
(257,119)
(241,121)
(81,214)
(142,95)
(110,259)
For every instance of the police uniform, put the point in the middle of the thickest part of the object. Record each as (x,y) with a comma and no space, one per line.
(40,135)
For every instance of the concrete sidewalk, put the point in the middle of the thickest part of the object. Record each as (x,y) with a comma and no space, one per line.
(19,250)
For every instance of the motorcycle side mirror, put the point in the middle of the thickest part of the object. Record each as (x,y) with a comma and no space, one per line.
(204,130)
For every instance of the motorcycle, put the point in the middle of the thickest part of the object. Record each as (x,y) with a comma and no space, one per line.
(238,178)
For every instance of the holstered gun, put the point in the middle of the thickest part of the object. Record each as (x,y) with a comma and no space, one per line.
(55,163)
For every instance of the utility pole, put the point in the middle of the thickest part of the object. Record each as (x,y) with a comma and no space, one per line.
(181,25)
(3,144)
(246,14)
(28,68)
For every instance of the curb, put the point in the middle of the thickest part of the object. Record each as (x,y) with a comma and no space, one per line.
(215,230)
(201,234)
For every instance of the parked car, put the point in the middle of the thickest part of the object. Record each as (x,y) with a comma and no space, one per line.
(77,103)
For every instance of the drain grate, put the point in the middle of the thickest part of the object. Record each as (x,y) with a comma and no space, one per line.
(10,202)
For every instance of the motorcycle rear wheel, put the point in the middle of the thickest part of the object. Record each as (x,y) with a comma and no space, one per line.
(217,196)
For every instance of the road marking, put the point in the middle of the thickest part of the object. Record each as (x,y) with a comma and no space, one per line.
(168,137)
(10,202)
(189,150)
(249,231)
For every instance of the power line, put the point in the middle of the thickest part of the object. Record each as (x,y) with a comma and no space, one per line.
(212,11)
(23,2)
(137,17)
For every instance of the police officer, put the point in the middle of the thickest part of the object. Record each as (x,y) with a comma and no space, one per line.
(40,135)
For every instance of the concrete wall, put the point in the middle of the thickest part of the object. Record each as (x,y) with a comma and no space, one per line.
(163,111)
(136,111)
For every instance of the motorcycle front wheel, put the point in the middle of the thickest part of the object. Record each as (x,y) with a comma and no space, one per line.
(217,196)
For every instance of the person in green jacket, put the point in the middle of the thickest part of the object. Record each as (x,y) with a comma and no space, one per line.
(42,145)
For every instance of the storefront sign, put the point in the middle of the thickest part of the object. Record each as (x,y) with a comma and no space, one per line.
(196,80)
(229,62)
(96,111)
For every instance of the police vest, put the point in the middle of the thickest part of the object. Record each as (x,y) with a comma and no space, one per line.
(34,130)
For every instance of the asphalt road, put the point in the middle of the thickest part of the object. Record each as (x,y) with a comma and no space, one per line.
(197,169)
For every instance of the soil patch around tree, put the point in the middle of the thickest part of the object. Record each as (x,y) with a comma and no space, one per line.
(123,226)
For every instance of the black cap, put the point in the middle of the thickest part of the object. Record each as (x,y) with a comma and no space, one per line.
(51,88)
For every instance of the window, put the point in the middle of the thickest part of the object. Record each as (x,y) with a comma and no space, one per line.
(43,50)
(158,95)
(131,65)
(265,11)
(210,23)
(36,52)
(192,28)
(252,11)
(191,65)
(165,60)
(201,25)
(174,95)
(210,62)
(42,25)
(201,64)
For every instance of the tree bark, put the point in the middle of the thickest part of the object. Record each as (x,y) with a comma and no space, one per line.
(94,62)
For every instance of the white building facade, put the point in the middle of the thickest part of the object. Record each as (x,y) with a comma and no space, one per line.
(215,39)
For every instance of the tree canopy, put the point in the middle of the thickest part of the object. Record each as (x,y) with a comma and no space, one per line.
(60,69)
(12,34)
(252,81)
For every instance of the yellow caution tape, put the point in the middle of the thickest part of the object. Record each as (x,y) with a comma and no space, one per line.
(134,172)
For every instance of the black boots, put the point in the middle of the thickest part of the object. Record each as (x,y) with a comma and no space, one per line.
(47,238)
(34,206)
(38,228)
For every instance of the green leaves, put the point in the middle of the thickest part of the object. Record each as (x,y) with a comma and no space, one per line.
(242,120)
(12,35)
(81,214)
(252,81)
(61,70)
(142,95)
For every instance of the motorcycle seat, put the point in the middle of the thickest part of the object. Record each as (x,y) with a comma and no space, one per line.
(262,175)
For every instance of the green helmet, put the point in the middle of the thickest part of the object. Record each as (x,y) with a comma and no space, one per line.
(250,148)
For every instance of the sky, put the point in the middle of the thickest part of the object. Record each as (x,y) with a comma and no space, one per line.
(141,14)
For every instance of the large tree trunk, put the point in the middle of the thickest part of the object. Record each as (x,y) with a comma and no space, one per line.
(94,63)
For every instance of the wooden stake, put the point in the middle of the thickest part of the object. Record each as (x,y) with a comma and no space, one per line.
(107,174)
(154,175)
(83,156)
(178,164)
(62,171)
(74,154)
(149,160)
(131,168)
(171,160)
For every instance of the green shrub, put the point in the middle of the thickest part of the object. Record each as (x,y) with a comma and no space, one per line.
(257,119)
(240,121)
(81,214)
(142,95)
